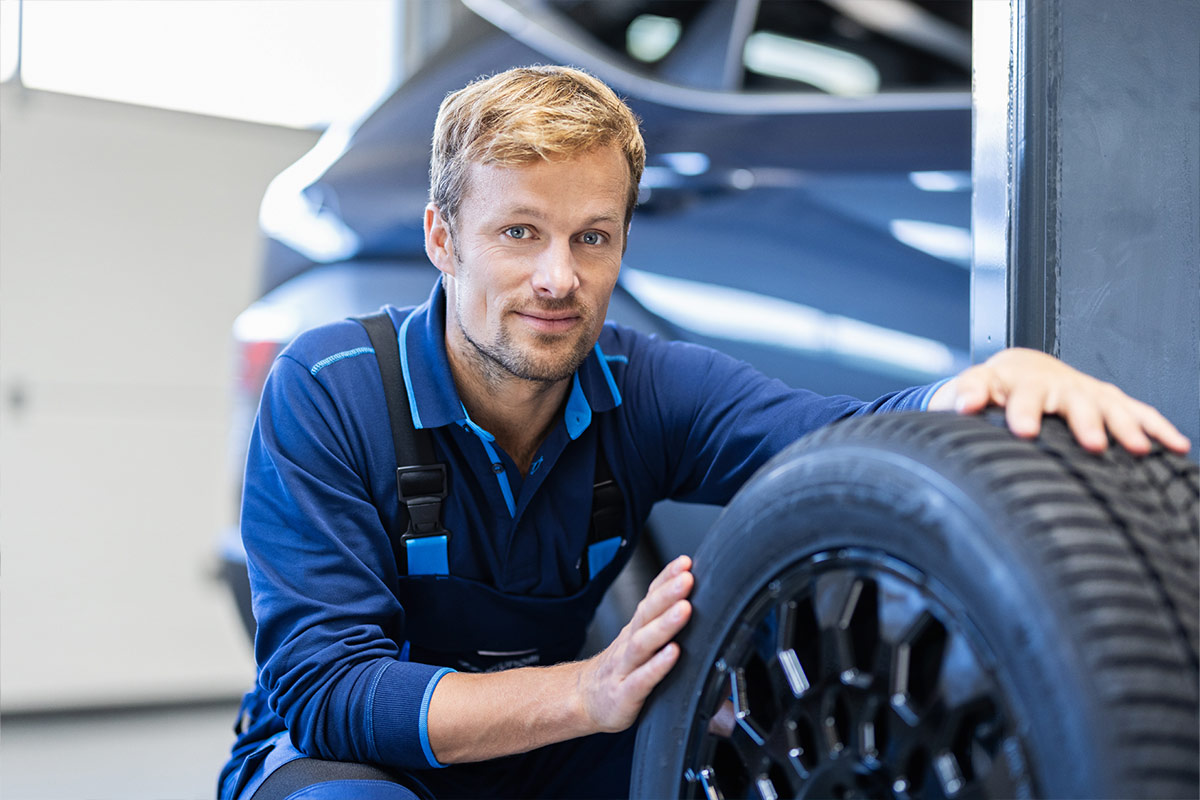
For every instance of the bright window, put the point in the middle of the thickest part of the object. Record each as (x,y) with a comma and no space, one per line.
(300,63)
(10,11)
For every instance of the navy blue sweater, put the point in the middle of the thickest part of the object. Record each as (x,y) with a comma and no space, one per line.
(675,421)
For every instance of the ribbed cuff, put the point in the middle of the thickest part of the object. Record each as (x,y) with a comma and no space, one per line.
(931,390)
(399,713)
(433,762)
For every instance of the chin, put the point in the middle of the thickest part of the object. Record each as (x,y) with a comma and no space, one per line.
(536,364)
(549,370)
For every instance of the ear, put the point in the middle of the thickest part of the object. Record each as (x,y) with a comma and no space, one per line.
(438,243)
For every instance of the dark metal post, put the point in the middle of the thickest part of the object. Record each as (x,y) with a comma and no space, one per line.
(1087,193)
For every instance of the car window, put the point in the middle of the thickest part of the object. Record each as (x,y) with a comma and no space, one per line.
(836,47)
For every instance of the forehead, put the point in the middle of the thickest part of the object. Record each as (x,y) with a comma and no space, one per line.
(590,183)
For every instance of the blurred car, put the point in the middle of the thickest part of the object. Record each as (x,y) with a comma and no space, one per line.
(805,204)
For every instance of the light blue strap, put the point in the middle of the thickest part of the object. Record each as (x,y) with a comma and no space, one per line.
(427,555)
(601,554)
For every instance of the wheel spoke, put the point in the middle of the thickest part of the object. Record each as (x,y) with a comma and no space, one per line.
(963,678)
(861,626)
(850,677)
(949,774)
(805,636)
(835,597)
(901,604)
(917,668)
(793,673)
(708,784)
(787,613)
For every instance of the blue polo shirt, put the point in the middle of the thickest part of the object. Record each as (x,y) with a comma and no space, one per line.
(675,420)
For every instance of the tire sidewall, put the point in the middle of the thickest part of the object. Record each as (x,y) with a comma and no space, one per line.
(880,497)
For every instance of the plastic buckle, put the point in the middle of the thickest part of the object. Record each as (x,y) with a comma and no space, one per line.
(426,553)
(422,491)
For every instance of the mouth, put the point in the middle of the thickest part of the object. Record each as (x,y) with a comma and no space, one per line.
(550,321)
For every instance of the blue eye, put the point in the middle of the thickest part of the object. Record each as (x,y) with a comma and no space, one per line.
(517,232)
(591,237)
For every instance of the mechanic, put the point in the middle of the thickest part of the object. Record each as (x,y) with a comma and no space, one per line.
(388,675)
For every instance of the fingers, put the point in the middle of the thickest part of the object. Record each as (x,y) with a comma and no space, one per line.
(661,615)
(642,680)
(1087,422)
(657,600)
(656,633)
(1157,426)
(1029,384)
(672,584)
(1133,423)
(624,673)
(679,565)
(1024,409)
(1117,416)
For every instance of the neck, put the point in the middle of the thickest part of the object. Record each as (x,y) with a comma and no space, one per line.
(518,412)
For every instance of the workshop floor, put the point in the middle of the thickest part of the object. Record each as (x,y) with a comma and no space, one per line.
(152,754)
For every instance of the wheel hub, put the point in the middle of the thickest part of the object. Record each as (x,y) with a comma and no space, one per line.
(851,675)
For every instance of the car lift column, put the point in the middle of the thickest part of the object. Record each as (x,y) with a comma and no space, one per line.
(1086,209)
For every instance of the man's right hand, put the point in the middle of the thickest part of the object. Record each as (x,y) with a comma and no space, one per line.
(615,683)
(473,717)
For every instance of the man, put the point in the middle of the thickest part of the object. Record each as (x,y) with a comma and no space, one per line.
(373,675)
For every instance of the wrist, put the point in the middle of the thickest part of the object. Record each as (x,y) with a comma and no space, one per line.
(582,702)
(943,396)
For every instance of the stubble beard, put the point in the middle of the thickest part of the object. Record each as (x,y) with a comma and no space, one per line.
(502,358)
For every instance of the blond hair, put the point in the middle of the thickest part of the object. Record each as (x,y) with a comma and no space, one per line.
(524,114)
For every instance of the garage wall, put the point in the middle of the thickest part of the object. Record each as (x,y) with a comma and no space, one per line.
(1129,199)
(128,243)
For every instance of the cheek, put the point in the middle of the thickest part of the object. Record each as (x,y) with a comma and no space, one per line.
(481,306)
(606,275)
(473,306)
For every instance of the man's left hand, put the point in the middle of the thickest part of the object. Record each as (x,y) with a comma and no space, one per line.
(1028,384)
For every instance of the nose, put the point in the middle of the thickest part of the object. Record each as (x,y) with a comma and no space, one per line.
(555,274)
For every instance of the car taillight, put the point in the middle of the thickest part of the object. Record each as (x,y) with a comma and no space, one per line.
(254,361)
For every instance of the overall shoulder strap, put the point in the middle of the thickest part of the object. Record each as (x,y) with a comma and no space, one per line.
(420,480)
(607,526)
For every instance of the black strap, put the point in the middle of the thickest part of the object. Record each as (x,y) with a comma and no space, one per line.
(420,480)
(608,509)
(412,446)
(608,504)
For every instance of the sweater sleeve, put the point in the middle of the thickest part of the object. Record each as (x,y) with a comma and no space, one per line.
(706,422)
(321,569)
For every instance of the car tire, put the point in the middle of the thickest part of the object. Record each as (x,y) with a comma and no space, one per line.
(922,605)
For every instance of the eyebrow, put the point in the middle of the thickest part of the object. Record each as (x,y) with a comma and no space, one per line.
(529,211)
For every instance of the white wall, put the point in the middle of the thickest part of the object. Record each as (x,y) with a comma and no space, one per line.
(128,243)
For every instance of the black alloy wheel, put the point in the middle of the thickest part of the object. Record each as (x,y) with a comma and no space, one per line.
(853,676)
(923,606)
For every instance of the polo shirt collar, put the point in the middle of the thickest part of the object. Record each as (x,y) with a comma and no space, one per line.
(433,399)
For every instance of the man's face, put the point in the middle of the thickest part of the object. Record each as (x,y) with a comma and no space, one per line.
(532,263)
